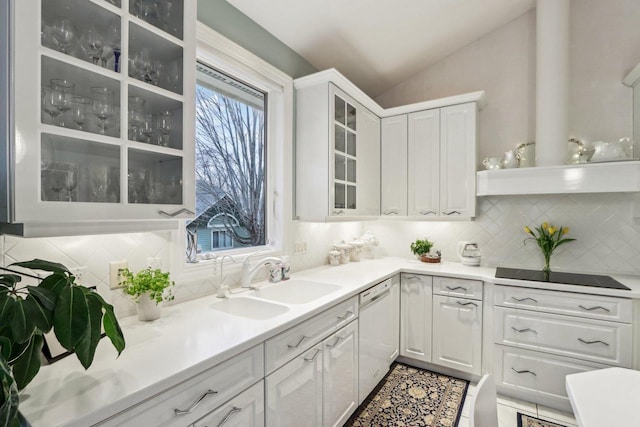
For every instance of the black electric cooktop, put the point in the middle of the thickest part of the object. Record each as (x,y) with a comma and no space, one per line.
(564,278)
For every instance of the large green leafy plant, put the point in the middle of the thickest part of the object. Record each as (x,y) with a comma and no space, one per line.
(75,313)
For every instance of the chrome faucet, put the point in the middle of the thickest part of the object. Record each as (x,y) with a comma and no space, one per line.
(249,270)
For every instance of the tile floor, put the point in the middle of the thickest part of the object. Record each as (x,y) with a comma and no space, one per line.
(509,407)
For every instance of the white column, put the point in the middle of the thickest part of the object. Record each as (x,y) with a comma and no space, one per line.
(552,81)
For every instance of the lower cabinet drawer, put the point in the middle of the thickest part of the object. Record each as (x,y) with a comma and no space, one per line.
(244,410)
(539,373)
(192,399)
(586,339)
(454,287)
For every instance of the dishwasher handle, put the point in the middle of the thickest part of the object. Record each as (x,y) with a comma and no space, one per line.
(374,299)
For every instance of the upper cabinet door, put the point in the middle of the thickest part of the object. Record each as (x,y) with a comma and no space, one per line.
(104,122)
(458,160)
(424,164)
(394,166)
(368,165)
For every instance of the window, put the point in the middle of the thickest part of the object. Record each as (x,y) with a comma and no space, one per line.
(231,155)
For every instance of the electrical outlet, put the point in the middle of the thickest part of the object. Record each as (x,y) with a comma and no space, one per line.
(79,273)
(154,262)
(300,248)
(115,276)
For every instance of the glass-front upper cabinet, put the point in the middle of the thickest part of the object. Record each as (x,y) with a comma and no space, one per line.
(344,154)
(100,115)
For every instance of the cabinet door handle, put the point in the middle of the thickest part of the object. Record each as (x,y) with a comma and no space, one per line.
(467,303)
(593,342)
(176,213)
(231,413)
(304,337)
(524,299)
(390,212)
(195,404)
(412,277)
(427,212)
(453,213)
(348,314)
(338,339)
(597,307)
(526,371)
(455,288)
(525,330)
(340,212)
(314,357)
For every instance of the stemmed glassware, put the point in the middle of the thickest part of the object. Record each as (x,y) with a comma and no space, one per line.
(48,105)
(64,35)
(103,106)
(136,116)
(146,128)
(71,182)
(99,183)
(165,125)
(80,107)
(61,93)
(91,43)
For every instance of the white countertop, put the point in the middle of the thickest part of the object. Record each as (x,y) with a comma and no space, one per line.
(191,337)
(605,397)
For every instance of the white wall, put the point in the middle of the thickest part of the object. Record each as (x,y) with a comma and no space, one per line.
(605,46)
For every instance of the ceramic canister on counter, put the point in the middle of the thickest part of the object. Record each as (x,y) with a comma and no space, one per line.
(356,250)
(334,257)
(345,252)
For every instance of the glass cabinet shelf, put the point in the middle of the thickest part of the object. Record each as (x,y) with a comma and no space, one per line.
(167,15)
(154,178)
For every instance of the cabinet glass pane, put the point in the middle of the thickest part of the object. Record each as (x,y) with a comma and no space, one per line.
(351,170)
(154,60)
(154,178)
(340,139)
(78,99)
(164,14)
(351,143)
(340,165)
(339,196)
(351,117)
(65,28)
(340,110)
(75,170)
(351,197)
(154,119)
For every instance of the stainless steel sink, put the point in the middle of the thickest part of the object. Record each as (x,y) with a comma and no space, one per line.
(295,291)
(250,308)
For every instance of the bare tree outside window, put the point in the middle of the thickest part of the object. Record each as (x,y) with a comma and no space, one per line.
(230,161)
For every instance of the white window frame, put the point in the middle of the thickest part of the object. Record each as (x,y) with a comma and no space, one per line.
(217,51)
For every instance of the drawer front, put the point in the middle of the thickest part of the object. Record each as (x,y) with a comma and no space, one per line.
(604,342)
(196,396)
(244,410)
(582,305)
(461,288)
(293,342)
(539,373)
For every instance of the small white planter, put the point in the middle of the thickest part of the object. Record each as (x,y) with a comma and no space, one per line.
(148,310)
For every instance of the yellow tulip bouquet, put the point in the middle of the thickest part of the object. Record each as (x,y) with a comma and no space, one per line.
(548,238)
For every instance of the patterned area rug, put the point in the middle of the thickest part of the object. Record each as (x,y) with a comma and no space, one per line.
(410,396)
(529,421)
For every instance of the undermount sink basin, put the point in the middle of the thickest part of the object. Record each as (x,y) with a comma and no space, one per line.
(295,291)
(250,308)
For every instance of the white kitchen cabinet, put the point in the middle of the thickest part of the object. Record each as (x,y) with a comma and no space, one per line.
(394,327)
(244,410)
(339,377)
(415,316)
(457,333)
(70,151)
(423,163)
(337,154)
(393,197)
(294,392)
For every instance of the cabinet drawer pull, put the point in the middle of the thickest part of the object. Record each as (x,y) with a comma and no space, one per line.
(526,371)
(346,315)
(467,303)
(195,404)
(304,337)
(525,330)
(412,277)
(453,212)
(340,212)
(176,213)
(593,342)
(427,212)
(338,339)
(455,288)
(524,299)
(314,357)
(390,212)
(597,307)
(231,413)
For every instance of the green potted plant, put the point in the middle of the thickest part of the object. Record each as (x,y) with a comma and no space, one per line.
(149,288)
(422,248)
(75,313)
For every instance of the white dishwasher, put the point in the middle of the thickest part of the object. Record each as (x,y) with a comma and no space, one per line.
(378,334)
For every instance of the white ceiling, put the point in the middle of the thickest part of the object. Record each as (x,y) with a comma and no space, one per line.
(379,43)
